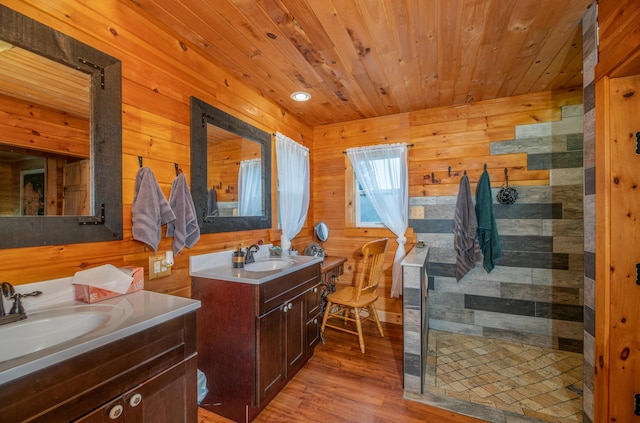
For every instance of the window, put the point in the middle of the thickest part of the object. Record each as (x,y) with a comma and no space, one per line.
(366,215)
(384,169)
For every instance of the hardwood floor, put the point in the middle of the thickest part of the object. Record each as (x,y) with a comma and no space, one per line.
(340,384)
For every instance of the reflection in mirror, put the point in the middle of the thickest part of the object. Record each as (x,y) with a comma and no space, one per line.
(322,231)
(60,137)
(44,154)
(230,171)
(234,173)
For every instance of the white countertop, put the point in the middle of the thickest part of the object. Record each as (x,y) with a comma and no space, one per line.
(129,313)
(219,266)
(416,257)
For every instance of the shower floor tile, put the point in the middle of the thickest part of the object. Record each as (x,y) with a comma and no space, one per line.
(519,379)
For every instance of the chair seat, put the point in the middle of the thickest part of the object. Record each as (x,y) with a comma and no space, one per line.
(345,296)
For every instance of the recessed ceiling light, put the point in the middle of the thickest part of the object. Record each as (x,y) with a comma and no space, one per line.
(300,96)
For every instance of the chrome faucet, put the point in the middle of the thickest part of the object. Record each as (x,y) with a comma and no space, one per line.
(17,311)
(7,292)
(250,252)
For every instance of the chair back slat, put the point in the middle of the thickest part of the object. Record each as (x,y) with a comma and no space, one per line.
(371,274)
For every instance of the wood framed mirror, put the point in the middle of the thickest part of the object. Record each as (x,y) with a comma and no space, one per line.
(231,171)
(70,81)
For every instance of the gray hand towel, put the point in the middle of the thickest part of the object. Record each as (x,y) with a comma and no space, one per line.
(465,231)
(150,209)
(184,229)
(212,204)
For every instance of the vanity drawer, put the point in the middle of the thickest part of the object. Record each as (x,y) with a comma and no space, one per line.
(273,293)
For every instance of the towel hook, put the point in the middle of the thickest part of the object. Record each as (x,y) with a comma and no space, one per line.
(465,172)
(177,169)
(485,166)
(140,161)
(449,170)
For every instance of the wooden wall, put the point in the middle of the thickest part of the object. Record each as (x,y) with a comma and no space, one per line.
(456,137)
(160,73)
(617,370)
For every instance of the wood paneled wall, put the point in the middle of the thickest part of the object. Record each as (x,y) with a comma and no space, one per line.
(452,137)
(160,73)
(617,231)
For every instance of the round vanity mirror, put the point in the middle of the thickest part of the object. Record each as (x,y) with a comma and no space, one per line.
(322,231)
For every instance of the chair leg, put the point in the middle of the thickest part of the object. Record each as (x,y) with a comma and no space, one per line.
(359,327)
(325,317)
(375,316)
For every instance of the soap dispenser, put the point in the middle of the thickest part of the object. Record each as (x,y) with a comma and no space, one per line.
(238,258)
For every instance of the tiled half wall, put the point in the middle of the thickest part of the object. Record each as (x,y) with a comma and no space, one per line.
(535,293)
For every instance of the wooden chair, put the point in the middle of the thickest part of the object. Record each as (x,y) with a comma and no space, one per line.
(346,304)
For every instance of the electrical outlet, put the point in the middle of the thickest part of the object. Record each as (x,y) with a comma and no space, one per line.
(156,268)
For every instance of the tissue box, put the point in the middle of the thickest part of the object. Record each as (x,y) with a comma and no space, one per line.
(92,294)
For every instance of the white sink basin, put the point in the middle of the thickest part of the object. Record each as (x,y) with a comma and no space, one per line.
(47,329)
(268,265)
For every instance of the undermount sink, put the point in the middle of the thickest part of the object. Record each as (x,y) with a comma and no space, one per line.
(50,328)
(268,265)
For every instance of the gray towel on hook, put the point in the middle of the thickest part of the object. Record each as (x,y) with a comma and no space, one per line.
(150,209)
(184,229)
(212,204)
(465,231)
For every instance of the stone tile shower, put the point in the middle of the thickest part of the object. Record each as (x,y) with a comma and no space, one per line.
(535,295)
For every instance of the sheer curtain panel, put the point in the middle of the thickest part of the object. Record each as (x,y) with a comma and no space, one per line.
(382,173)
(292,160)
(250,188)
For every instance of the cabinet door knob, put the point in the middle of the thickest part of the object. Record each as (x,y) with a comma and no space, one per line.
(315,321)
(135,400)
(290,306)
(315,290)
(116,411)
(284,308)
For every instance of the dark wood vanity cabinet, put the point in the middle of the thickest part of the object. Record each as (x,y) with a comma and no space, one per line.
(151,375)
(252,338)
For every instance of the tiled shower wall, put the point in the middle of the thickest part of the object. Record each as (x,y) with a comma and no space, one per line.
(535,293)
(589,60)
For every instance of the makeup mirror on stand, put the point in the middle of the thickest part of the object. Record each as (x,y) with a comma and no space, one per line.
(321,230)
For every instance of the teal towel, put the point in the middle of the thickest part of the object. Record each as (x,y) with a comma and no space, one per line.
(488,237)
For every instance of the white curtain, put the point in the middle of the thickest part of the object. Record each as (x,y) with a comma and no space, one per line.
(383,174)
(293,187)
(250,188)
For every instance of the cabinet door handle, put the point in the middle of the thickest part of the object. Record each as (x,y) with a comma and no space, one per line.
(315,290)
(315,321)
(135,400)
(116,411)
(284,308)
(290,306)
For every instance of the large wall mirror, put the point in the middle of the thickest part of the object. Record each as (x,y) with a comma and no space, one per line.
(60,137)
(230,171)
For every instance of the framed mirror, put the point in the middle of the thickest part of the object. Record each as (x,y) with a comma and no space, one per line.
(230,171)
(60,137)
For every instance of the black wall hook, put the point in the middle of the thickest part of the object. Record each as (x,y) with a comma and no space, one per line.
(140,161)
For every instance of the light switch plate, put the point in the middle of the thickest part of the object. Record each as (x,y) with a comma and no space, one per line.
(156,268)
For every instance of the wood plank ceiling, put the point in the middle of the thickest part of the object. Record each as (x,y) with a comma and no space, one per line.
(369,58)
